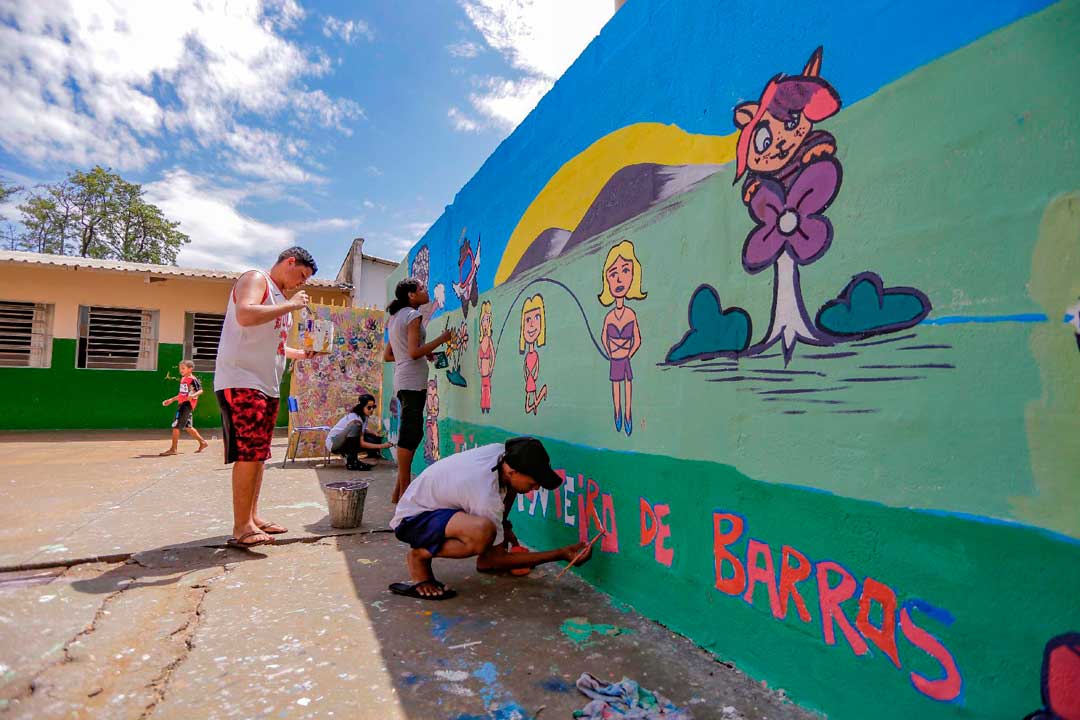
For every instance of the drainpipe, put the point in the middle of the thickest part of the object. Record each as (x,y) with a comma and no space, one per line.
(357,255)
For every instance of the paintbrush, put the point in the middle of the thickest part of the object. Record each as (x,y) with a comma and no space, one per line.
(582,552)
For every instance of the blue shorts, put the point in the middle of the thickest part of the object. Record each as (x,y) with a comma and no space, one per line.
(426,530)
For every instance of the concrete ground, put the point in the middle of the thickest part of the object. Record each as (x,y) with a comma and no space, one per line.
(119,600)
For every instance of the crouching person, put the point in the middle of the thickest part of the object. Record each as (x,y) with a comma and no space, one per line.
(457,507)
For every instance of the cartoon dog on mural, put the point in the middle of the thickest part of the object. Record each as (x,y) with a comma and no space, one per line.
(621,332)
(533,336)
(792,176)
(467,289)
(431,425)
(485,357)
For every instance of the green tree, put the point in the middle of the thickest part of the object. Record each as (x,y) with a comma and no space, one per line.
(98,214)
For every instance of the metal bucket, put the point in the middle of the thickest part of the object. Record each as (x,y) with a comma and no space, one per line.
(346,503)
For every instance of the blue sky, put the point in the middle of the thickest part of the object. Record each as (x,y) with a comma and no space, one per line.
(259,125)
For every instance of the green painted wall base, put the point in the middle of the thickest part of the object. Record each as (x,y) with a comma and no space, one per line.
(986,594)
(63,397)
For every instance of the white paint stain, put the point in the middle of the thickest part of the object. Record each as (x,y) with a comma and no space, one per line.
(459,690)
(46,598)
(452,675)
(303,702)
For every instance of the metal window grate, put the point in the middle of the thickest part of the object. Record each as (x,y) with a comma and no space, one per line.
(25,338)
(202,333)
(117,338)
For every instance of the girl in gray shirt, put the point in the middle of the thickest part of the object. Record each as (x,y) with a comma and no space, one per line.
(410,353)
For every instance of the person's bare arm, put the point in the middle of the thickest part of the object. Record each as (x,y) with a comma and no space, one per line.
(497,559)
(509,537)
(388,353)
(249,292)
(416,350)
(296,354)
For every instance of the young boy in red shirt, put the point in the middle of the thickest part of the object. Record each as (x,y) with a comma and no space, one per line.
(188,397)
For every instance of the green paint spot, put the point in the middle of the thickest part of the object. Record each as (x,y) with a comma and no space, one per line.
(580,630)
(619,605)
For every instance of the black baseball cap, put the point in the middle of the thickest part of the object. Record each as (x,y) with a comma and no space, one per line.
(527,455)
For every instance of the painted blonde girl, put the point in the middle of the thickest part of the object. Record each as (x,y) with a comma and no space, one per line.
(533,335)
(485,358)
(621,333)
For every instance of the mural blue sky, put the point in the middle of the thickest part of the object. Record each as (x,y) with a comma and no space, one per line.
(263,124)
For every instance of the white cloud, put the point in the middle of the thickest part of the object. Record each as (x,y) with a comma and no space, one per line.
(507,102)
(264,154)
(539,38)
(464,49)
(221,235)
(347,30)
(104,82)
(462,122)
(374,170)
(395,243)
(324,224)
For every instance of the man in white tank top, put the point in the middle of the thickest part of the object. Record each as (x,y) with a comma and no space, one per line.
(247,380)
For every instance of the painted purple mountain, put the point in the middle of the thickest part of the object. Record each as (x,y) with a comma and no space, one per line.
(548,245)
(631,191)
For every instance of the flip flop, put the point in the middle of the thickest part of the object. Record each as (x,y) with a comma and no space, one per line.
(410,590)
(272,528)
(239,542)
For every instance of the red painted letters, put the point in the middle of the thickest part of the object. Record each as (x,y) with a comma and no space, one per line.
(735,584)
(790,576)
(757,574)
(948,687)
(885,636)
(830,599)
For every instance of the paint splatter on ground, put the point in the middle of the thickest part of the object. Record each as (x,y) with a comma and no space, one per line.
(556,684)
(580,631)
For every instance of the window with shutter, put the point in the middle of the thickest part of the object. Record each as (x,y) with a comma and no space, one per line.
(25,334)
(117,338)
(202,332)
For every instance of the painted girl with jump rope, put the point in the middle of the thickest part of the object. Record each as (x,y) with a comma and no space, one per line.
(533,336)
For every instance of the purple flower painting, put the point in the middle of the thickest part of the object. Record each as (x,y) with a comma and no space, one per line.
(792,221)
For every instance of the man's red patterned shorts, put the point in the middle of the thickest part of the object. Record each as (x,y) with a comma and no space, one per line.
(247,420)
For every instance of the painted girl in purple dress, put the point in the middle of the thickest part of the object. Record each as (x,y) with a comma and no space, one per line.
(621,333)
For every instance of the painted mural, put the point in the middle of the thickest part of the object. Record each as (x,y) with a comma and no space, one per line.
(327,386)
(798,324)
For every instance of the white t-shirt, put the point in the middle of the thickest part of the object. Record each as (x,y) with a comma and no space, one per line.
(339,427)
(464,481)
(253,356)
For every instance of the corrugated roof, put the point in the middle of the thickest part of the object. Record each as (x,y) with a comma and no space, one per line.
(29,258)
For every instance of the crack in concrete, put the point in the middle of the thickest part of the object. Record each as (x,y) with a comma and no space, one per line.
(33,686)
(160,684)
(127,556)
(185,633)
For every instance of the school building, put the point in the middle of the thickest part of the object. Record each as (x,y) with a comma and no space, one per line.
(94,344)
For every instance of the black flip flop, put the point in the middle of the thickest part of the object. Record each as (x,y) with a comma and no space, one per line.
(410,590)
(239,542)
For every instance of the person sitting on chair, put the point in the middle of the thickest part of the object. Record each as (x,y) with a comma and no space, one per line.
(349,436)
